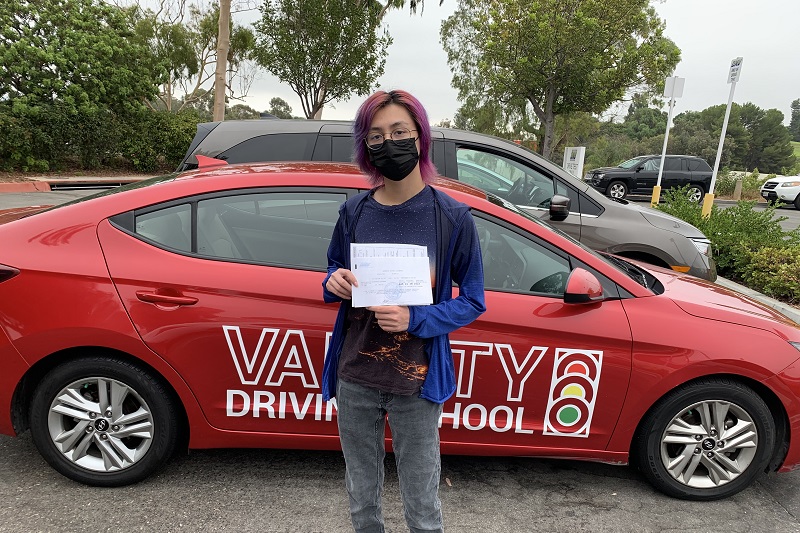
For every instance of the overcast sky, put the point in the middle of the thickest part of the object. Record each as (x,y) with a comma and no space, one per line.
(710,33)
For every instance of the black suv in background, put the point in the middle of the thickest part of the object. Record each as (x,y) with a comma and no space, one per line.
(495,165)
(640,174)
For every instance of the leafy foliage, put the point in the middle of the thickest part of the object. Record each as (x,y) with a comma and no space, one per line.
(77,52)
(737,233)
(324,49)
(794,123)
(562,56)
(774,271)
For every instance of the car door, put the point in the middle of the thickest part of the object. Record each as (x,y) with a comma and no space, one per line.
(676,173)
(533,371)
(645,175)
(227,289)
(531,188)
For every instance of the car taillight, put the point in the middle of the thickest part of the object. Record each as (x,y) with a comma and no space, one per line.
(7,272)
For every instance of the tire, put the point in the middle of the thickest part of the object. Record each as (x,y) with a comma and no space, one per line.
(797,202)
(103,421)
(679,448)
(695,193)
(617,189)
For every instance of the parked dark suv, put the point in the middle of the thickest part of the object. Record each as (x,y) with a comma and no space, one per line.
(492,164)
(640,174)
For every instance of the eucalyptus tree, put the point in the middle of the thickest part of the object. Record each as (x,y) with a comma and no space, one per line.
(562,56)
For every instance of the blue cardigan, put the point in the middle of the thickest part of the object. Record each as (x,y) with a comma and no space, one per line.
(458,259)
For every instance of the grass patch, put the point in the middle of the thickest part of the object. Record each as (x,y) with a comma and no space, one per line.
(796,146)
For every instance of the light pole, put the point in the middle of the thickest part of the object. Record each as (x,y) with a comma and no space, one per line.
(673,88)
(733,77)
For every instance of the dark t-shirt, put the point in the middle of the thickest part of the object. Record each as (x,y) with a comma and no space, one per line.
(390,362)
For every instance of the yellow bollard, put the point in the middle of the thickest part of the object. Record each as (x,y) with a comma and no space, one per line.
(708,201)
(656,196)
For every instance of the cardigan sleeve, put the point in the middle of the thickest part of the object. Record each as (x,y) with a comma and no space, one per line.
(466,269)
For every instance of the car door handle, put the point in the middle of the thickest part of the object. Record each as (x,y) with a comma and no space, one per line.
(157,298)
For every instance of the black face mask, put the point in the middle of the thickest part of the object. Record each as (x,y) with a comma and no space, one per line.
(395,159)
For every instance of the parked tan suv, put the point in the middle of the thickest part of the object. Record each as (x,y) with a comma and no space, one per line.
(493,164)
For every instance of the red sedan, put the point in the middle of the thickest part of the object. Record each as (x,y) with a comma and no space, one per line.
(187,311)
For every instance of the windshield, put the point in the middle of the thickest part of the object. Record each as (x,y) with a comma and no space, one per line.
(630,163)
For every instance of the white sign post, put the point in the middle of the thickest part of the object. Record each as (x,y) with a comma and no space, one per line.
(573,160)
(733,77)
(673,88)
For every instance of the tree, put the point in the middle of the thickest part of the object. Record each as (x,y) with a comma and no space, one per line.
(183,38)
(324,49)
(80,54)
(280,108)
(561,56)
(794,123)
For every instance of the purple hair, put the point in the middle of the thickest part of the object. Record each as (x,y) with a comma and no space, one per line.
(363,121)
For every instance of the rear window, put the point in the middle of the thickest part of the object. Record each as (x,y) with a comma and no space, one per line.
(275,147)
(698,165)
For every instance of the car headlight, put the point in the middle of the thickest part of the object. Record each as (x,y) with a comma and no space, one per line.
(790,184)
(703,246)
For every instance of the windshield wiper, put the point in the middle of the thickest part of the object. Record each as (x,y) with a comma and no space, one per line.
(632,270)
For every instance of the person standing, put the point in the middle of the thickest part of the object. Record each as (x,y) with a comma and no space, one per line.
(396,360)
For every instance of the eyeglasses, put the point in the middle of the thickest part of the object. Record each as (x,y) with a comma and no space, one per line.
(375,140)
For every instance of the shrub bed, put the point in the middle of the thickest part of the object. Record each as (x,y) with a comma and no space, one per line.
(749,246)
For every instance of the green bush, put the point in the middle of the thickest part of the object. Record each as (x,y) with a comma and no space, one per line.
(56,137)
(774,271)
(735,232)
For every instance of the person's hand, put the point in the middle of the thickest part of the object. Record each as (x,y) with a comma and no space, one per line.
(391,318)
(341,283)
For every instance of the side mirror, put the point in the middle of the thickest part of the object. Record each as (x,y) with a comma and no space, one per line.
(559,207)
(583,288)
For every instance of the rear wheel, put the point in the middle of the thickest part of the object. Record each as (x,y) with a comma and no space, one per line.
(706,440)
(617,189)
(103,421)
(695,193)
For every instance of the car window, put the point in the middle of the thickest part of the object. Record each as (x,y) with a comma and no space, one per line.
(170,227)
(527,186)
(342,148)
(671,163)
(698,165)
(284,228)
(515,263)
(651,165)
(276,147)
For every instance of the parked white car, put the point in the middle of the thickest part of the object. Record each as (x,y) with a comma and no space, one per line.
(784,189)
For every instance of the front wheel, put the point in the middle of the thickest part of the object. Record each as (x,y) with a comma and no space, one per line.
(797,202)
(706,441)
(617,189)
(103,421)
(695,193)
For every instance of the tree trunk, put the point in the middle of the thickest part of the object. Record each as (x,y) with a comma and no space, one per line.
(223,45)
(319,103)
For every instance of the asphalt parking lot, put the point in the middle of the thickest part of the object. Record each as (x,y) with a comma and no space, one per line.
(303,491)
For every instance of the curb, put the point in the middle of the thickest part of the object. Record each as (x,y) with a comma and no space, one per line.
(25,186)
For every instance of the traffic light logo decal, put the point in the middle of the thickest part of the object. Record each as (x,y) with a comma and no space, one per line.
(573,390)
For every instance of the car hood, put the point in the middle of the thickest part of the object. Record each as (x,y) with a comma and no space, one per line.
(782,179)
(606,169)
(10,215)
(705,299)
(667,222)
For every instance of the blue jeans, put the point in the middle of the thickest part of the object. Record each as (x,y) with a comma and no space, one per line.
(414,422)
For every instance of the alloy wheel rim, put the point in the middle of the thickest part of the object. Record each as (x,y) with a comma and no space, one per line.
(709,444)
(100,424)
(694,194)
(617,191)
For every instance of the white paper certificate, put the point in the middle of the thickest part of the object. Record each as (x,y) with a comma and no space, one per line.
(390,274)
